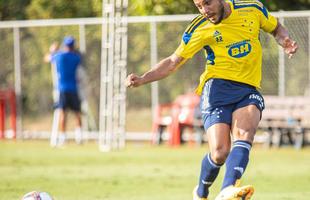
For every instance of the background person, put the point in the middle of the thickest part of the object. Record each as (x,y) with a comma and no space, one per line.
(67,61)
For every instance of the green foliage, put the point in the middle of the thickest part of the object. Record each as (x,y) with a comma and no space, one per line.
(166,7)
(46,9)
(270,79)
(6,59)
(161,7)
(275,5)
(13,9)
(139,62)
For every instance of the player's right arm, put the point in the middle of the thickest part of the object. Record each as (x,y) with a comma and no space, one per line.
(161,70)
(192,42)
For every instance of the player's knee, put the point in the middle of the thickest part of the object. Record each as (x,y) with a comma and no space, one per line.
(219,155)
(246,134)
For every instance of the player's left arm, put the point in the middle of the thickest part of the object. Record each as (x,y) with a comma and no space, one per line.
(282,37)
(271,25)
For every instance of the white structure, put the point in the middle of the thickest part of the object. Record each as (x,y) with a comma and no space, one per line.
(113,72)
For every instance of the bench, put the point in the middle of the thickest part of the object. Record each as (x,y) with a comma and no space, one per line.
(286,120)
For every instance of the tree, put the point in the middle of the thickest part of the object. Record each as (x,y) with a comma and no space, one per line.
(166,7)
(275,5)
(13,9)
(46,9)
(161,7)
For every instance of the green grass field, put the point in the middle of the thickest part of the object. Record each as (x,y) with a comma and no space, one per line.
(140,172)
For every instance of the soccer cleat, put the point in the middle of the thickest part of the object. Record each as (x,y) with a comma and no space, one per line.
(236,193)
(195,195)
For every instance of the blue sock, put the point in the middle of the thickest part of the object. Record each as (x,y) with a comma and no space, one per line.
(208,174)
(236,162)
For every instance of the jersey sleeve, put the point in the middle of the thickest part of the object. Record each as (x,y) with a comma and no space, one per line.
(267,22)
(192,40)
(188,50)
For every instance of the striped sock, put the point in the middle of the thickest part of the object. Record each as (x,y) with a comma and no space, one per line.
(236,162)
(208,174)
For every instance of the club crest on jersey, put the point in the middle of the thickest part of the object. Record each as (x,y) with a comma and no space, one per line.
(240,49)
(217,36)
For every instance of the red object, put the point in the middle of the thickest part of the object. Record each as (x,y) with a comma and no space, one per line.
(2,118)
(180,113)
(162,119)
(7,96)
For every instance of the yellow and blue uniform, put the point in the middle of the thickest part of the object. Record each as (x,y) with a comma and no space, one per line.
(231,78)
(234,59)
(233,50)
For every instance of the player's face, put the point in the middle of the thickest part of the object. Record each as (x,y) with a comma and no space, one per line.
(211,9)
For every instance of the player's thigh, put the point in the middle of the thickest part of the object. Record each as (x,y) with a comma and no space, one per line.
(217,122)
(219,136)
(219,141)
(244,122)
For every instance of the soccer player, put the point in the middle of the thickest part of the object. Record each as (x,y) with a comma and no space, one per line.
(228,31)
(67,62)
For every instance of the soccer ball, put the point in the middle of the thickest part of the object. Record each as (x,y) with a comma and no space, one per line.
(34,195)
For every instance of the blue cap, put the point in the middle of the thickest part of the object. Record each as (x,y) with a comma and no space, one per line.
(69,41)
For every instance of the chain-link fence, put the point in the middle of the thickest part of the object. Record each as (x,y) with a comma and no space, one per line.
(27,42)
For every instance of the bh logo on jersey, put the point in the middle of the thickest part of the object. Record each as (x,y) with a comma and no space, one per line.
(240,49)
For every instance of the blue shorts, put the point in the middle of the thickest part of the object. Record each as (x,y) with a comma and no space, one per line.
(220,98)
(69,100)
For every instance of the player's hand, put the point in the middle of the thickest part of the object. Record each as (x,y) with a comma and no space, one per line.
(290,47)
(133,80)
(54,47)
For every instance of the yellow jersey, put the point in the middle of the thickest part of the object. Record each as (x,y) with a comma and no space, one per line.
(232,47)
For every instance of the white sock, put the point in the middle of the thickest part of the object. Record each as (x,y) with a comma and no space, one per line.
(61,138)
(53,140)
(78,135)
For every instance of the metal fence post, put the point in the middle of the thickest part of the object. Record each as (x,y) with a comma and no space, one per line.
(308,89)
(154,59)
(17,74)
(281,91)
(82,38)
